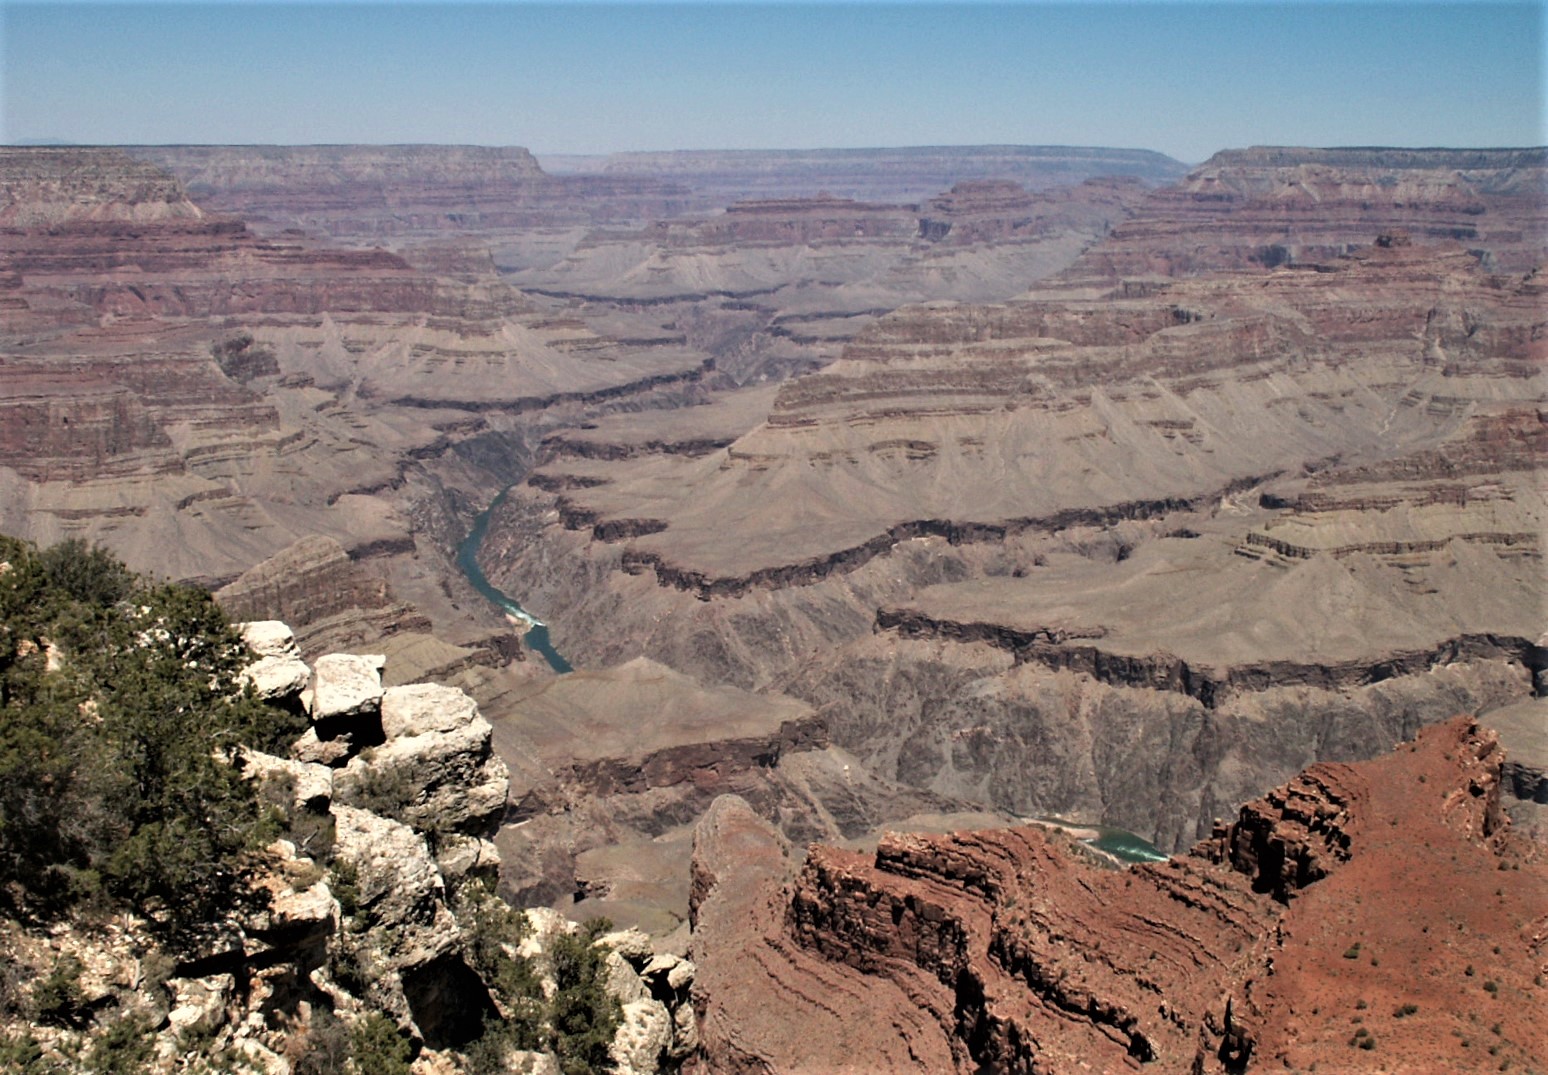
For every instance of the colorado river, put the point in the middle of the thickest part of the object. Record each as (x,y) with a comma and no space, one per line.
(1120,844)
(1126,846)
(536,637)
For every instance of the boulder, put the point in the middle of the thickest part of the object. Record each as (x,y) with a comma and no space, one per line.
(401,891)
(441,781)
(310,747)
(199,1005)
(279,674)
(643,1038)
(422,708)
(347,686)
(461,857)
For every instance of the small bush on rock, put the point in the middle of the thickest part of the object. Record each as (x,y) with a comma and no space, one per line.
(377,1047)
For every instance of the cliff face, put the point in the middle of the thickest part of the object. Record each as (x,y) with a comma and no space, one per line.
(621,762)
(202,398)
(50,187)
(359,191)
(1003,951)
(1254,209)
(895,175)
(1100,537)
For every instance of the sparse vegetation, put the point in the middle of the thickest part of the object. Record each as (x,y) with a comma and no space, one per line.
(583,1015)
(122,1049)
(378,1048)
(56,999)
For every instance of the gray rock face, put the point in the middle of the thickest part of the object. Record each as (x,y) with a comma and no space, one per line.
(399,885)
(423,708)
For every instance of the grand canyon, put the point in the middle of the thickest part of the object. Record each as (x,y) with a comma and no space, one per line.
(1001,608)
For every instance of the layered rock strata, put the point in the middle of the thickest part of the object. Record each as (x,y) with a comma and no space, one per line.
(1255,209)
(1002,951)
(202,399)
(986,520)
(628,758)
(902,174)
(362,192)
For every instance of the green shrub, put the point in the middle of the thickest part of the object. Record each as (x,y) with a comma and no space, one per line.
(21,1054)
(122,705)
(123,1049)
(378,1048)
(56,999)
(583,1015)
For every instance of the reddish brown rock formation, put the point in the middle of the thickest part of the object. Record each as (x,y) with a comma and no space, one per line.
(48,187)
(1370,917)
(1255,209)
(358,191)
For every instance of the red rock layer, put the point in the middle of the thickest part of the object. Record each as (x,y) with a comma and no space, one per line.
(1268,206)
(1363,917)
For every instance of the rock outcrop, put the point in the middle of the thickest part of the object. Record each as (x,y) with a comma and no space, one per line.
(1295,935)
(376,903)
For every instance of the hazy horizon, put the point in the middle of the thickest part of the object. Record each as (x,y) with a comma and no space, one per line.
(587,79)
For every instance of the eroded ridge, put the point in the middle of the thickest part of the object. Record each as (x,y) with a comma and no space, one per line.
(1269,947)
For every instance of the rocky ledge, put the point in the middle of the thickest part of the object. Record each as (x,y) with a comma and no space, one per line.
(377,934)
(1380,916)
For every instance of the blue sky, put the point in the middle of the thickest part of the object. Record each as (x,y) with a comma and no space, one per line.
(1183,78)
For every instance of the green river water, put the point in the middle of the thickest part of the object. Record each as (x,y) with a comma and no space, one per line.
(536,638)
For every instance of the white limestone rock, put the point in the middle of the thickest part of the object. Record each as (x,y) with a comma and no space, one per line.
(672,970)
(524,1062)
(642,1039)
(623,981)
(401,891)
(312,784)
(260,1059)
(347,685)
(422,708)
(633,944)
(200,1002)
(309,910)
(279,673)
(313,750)
(450,780)
(461,857)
